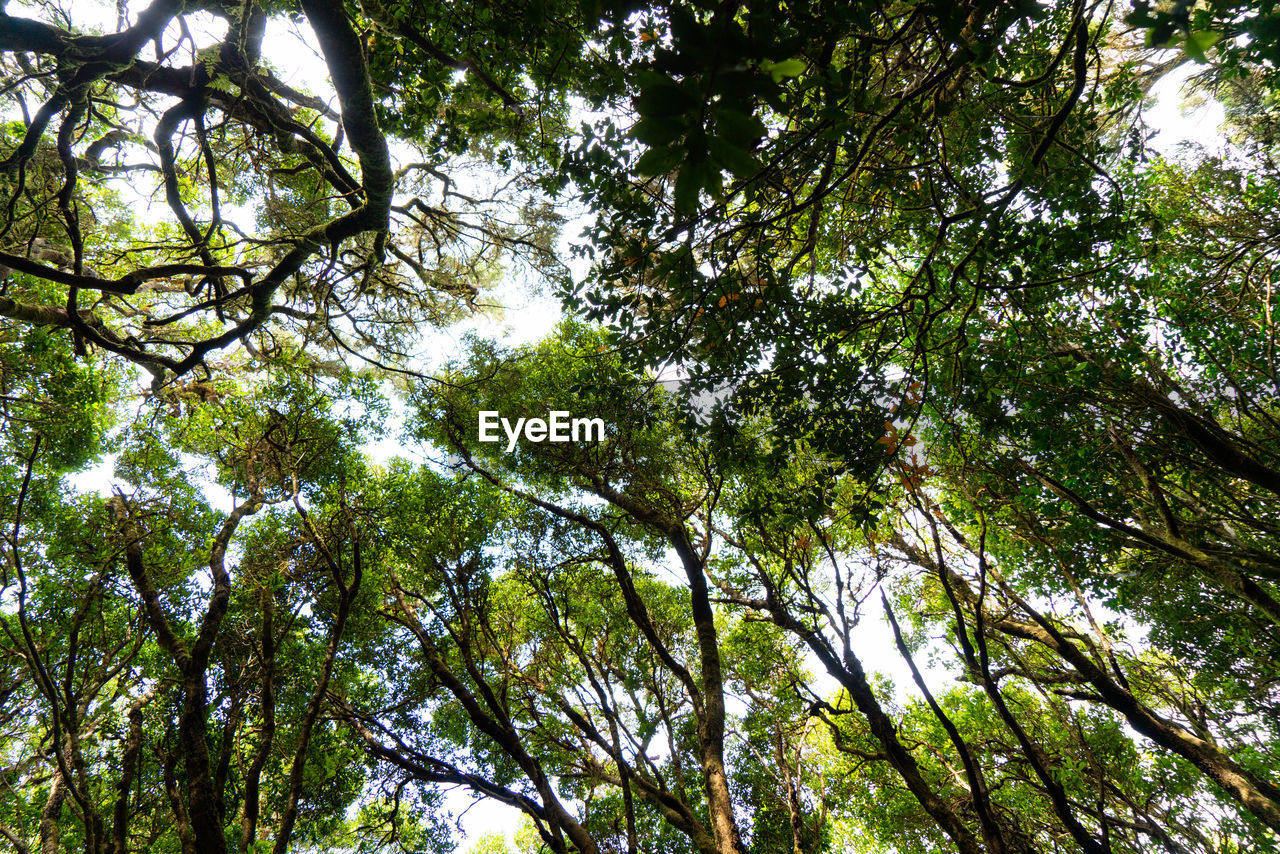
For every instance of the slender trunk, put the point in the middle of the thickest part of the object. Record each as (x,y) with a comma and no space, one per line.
(132,754)
(624,782)
(795,814)
(500,732)
(711,719)
(267,705)
(1259,796)
(348,594)
(193,734)
(50,817)
(185,837)
(853,678)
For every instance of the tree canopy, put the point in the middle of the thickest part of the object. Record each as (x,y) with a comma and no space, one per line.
(936,501)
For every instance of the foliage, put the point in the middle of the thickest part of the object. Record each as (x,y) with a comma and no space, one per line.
(936,506)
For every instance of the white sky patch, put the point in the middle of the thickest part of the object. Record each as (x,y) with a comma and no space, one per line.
(1180,117)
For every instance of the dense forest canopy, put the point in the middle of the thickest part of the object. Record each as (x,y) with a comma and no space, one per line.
(938,506)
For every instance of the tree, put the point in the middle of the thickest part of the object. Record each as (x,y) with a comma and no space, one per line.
(212,127)
(891,167)
(943,346)
(1043,730)
(947,317)
(147,688)
(640,474)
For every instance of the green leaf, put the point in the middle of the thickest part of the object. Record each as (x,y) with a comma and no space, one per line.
(688,184)
(709,177)
(737,160)
(664,97)
(658,161)
(742,129)
(1200,41)
(660,130)
(786,68)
